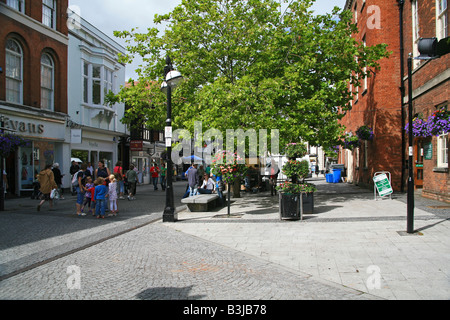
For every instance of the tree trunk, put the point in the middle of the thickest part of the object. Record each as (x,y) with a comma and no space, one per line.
(237,188)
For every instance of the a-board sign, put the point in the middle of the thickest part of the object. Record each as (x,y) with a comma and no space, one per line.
(383,185)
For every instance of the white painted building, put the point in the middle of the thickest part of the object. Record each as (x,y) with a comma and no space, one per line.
(93,71)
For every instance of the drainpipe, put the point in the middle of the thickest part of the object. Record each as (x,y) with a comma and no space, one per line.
(402,94)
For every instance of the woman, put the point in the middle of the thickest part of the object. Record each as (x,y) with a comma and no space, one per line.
(47,182)
(102,171)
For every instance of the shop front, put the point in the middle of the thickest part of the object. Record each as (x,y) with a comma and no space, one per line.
(46,133)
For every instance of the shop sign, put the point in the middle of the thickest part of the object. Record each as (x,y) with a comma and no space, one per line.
(23,127)
(383,185)
(136,145)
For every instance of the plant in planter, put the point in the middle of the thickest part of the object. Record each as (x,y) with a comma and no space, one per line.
(296,196)
(365,133)
(295,150)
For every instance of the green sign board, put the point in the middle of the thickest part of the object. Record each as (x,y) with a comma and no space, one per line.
(428,151)
(383,185)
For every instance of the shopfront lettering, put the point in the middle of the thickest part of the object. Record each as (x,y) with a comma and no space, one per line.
(24,127)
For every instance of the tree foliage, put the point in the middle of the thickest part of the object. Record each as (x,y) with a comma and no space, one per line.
(248,65)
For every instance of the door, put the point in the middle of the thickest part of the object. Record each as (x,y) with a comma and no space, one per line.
(418,163)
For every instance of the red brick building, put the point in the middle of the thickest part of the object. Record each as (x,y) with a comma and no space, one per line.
(33,84)
(381,102)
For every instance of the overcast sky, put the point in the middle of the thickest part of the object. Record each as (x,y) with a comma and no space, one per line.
(112,15)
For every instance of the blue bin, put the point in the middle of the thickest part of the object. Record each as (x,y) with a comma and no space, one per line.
(329,177)
(336,175)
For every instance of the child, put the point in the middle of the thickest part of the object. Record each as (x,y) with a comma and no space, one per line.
(112,195)
(100,195)
(88,194)
(92,192)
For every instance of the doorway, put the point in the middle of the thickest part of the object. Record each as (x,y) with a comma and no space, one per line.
(418,163)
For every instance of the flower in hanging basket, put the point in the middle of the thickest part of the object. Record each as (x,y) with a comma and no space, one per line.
(288,187)
(365,133)
(10,143)
(419,128)
(439,122)
(295,150)
(351,142)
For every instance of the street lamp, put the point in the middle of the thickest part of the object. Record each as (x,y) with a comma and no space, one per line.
(172,79)
(429,49)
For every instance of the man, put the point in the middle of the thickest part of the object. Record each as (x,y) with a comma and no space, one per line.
(192,177)
(154,170)
(131,176)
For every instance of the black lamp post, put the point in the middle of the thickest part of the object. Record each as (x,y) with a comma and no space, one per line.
(429,49)
(410,198)
(172,79)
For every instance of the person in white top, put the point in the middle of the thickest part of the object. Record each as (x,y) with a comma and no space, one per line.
(208,186)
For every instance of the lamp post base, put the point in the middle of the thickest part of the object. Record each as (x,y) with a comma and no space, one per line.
(170,215)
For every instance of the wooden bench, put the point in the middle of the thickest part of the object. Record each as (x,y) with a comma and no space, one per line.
(203,202)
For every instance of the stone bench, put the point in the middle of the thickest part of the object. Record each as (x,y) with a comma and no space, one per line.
(202,202)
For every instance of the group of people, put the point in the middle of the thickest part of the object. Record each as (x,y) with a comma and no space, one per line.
(203,182)
(93,187)
(158,174)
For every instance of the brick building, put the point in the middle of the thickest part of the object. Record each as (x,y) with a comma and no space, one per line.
(33,85)
(381,102)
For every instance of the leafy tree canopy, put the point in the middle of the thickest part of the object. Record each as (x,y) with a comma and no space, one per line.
(248,65)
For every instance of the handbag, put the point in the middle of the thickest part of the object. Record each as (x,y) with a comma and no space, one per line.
(54,194)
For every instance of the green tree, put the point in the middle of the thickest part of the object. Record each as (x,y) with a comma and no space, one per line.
(248,65)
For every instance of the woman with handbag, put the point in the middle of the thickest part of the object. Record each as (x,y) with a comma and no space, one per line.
(47,182)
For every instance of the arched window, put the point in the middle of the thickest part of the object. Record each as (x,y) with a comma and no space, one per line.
(47,82)
(14,72)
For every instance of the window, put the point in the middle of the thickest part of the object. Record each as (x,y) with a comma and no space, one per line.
(47,82)
(415,31)
(19,5)
(442,151)
(97,82)
(48,13)
(441,19)
(108,82)
(85,82)
(14,63)
(365,67)
(96,85)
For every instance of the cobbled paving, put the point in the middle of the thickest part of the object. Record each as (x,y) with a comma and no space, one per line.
(155,262)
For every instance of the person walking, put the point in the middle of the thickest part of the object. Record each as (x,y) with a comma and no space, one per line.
(118,173)
(47,183)
(163,176)
(58,179)
(154,170)
(100,194)
(192,177)
(131,179)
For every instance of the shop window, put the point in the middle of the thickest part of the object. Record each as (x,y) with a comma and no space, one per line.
(32,160)
(47,82)
(14,72)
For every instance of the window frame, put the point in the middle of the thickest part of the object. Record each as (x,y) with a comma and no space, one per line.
(19,79)
(51,89)
(18,5)
(49,21)
(441,19)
